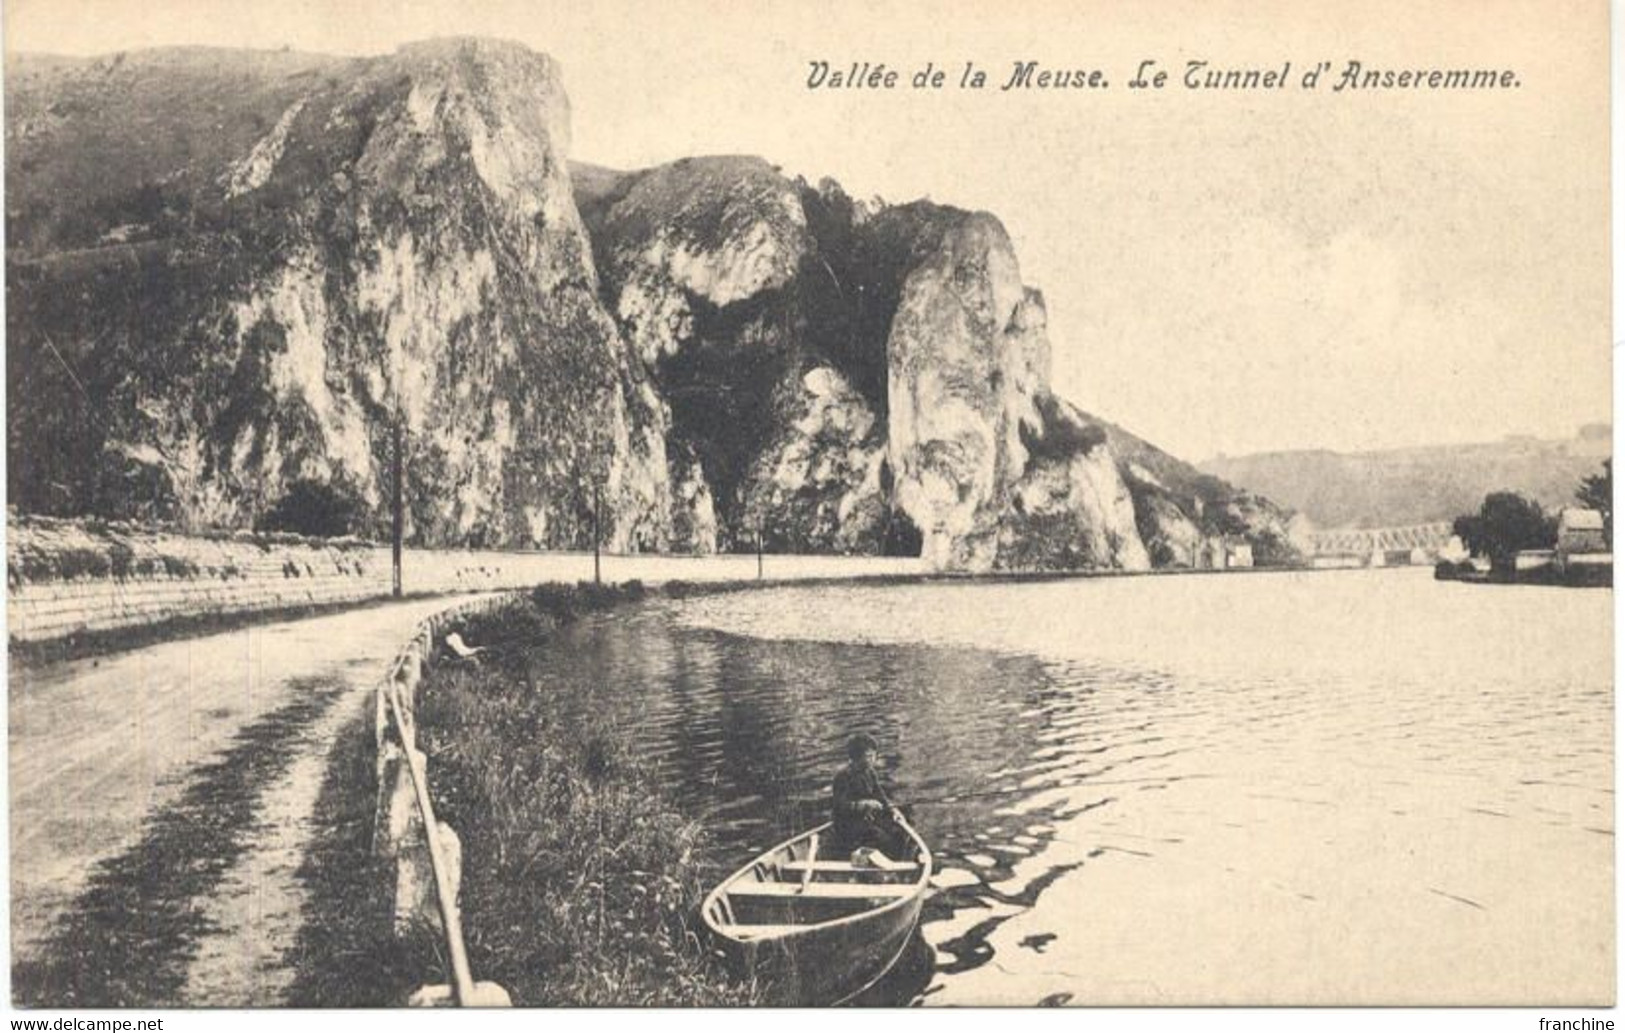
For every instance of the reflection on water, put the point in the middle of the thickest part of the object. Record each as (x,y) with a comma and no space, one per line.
(1166,789)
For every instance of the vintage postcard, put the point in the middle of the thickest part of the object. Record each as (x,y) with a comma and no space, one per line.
(710,504)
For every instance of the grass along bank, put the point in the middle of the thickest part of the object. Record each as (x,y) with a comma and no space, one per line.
(580,877)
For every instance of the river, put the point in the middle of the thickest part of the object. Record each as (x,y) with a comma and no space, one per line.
(1352,787)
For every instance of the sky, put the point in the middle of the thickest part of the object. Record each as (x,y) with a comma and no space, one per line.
(1226,272)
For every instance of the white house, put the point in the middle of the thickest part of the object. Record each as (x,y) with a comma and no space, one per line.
(1580,531)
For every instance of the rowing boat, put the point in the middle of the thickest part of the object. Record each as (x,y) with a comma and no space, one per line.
(815,929)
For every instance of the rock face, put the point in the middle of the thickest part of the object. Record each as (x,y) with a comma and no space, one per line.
(817,486)
(231,274)
(1180,511)
(701,263)
(854,378)
(1071,507)
(953,429)
(400,240)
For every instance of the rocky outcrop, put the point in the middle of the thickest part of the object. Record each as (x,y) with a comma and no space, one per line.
(817,486)
(691,239)
(950,427)
(994,470)
(1183,514)
(700,262)
(1070,508)
(1172,537)
(401,242)
(854,377)
(292,255)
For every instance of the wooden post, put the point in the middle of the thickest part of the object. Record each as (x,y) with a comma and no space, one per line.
(398,507)
(758,551)
(462,978)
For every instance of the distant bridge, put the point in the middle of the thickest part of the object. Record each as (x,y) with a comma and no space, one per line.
(1393,544)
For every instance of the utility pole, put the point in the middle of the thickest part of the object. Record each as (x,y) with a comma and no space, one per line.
(398,507)
(597,516)
(758,550)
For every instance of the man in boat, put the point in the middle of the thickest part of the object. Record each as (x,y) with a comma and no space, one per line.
(864,814)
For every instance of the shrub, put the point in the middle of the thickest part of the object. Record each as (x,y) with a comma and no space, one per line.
(73,563)
(1063,434)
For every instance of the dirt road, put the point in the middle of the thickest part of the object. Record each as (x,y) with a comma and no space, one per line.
(161,802)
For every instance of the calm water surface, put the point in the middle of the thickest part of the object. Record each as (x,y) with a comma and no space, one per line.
(1350,787)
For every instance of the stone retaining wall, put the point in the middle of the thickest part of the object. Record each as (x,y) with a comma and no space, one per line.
(68,577)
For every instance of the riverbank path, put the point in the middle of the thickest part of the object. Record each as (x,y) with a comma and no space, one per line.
(162,800)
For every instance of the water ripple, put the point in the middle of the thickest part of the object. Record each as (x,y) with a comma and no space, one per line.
(1031,754)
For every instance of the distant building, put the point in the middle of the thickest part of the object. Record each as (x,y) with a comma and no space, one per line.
(1580,531)
(1220,553)
(1583,556)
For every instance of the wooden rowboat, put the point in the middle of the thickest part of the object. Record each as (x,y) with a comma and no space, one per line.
(818,930)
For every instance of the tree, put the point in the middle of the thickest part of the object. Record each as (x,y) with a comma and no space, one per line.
(1505,524)
(1471,532)
(1597,492)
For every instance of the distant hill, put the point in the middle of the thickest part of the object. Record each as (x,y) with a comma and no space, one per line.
(1148,463)
(1417,485)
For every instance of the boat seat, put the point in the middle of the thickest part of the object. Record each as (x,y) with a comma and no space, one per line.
(825,890)
(847,866)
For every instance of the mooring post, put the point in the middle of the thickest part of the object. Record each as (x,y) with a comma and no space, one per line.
(398,507)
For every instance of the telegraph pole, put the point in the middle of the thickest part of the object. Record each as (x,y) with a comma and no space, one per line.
(597,516)
(398,507)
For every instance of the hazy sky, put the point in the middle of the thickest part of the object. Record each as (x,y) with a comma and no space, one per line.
(1226,272)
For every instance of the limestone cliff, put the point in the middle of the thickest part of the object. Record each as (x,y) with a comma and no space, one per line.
(232,274)
(1180,510)
(271,275)
(854,377)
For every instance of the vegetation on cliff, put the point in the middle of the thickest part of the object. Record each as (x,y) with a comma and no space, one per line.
(1178,506)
